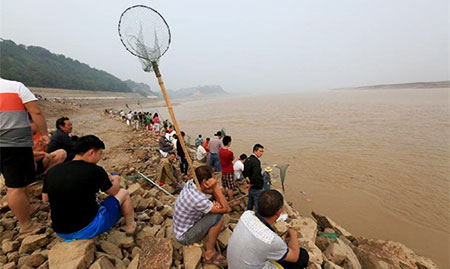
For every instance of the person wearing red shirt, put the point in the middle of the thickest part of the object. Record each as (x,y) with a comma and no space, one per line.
(226,162)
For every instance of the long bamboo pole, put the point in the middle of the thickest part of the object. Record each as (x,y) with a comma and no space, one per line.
(174,120)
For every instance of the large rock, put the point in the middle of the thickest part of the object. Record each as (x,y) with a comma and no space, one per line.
(111,249)
(288,209)
(156,219)
(10,265)
(341,254)
(140,154)
(388,254)
(156,254)
(36,260)
(315,255)
(167,211)
(326,222)
(146,233)
(118,263)
(102,263)
(120,239)
(281,227)
(8,223)
(330,265)
(134,264)
(306,228)
(223,238)
(32,242)
(314,266)
(23,260)
(44,265)
(78,254)
(10,246)
(135,189)
(191,256)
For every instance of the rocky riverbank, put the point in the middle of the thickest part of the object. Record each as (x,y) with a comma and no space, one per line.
(328,244)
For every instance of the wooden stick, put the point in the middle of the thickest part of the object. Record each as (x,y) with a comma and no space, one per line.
(174,120)
(237,199)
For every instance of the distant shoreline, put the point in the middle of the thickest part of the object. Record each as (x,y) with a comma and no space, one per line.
(412,85)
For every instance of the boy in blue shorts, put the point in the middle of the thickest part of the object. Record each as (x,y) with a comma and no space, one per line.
(71,190)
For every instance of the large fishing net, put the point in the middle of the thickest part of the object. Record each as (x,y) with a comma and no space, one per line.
(145,34)
(277,175)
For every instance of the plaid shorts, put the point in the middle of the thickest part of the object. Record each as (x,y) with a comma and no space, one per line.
(228,181)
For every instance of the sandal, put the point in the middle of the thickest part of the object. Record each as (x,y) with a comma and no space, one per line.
(217,259)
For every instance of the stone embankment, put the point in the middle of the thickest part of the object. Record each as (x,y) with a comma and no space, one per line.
(153,246)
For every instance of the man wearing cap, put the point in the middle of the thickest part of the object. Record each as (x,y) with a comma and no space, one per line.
(266,178)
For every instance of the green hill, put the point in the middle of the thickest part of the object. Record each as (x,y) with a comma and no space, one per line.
(38,67)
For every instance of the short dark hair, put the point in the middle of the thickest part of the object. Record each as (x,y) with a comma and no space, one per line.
(61,122)
(257,146)
(203,172)
(226,140)
(219,133)
(243,156)
(87,142)
(182,133)
(269,202)
(171,153)
(199,135)
(207,139)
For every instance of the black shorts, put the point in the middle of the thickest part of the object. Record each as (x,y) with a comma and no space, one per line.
(17,166)
(40,166)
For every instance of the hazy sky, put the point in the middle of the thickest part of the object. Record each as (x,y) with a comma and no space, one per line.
(250,46)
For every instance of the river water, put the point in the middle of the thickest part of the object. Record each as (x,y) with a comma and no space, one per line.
(375,161)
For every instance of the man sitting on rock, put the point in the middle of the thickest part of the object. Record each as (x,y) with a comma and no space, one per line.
(195,215)
(254,243)
(168,174)
(71,189)
(165,145)
(43,160)
(61,140)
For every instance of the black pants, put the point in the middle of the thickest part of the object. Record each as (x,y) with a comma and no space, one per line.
(302,261)
(184,165)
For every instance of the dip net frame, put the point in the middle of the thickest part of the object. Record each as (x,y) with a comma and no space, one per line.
(145,34)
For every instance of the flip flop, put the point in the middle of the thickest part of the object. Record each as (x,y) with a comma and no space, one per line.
(217,259)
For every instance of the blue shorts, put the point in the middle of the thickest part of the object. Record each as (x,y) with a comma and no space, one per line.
(107,216)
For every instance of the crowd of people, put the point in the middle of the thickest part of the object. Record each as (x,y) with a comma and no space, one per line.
(72,180)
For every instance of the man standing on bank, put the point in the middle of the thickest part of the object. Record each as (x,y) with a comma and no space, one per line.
(253,176)
(16,142)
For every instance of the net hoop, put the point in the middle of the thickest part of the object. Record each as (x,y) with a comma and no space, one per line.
(126,46)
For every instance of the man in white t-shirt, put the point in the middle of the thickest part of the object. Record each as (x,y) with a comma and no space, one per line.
(255,244)
(170,133)
(239,167)
(201,154)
